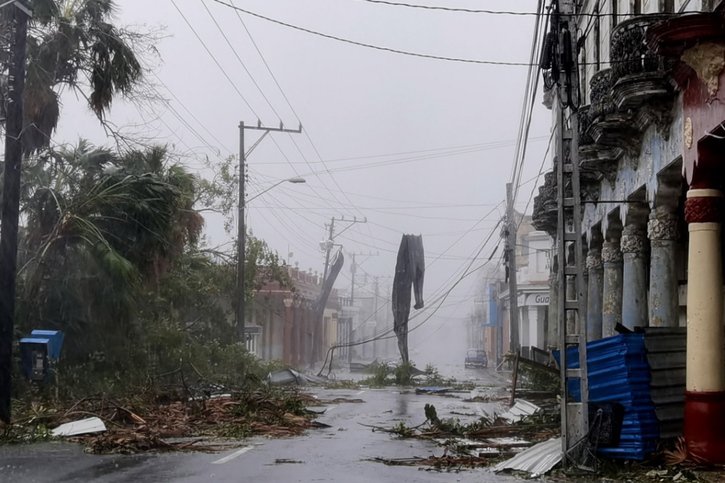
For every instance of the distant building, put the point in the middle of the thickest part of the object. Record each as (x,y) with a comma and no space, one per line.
(532,251)
(283,324)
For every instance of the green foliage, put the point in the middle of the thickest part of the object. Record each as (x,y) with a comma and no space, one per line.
(72,43)
(379,377)
(261,266)
(402,430)
(101,228)
(433,377)
(403,374)
(538,379)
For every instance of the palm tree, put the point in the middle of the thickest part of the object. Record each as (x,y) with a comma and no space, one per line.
(73,43)
(100,228)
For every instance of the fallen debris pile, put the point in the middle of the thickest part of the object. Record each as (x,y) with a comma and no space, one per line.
(137,425)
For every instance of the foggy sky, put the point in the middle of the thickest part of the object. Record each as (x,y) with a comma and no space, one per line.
(354,103)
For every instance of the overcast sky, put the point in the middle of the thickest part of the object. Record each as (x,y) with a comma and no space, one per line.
(454,123)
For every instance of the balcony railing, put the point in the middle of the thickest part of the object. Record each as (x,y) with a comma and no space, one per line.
(629,50)
(544,215)
(601,95)
(584,123)
(638,73)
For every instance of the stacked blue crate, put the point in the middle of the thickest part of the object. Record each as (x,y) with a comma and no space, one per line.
(618,372)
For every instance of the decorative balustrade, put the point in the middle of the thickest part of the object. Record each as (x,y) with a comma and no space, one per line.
(544,216)
(601,95)
(638,73)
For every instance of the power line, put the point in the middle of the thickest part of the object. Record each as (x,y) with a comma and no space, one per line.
(372,46)
(284,95)
(449,9)
(489,12)
(208,51)
(541,170)
(234,51)
(188,111)
(438,300)
(490,144)
(234,86)
(527,110)
(266,64)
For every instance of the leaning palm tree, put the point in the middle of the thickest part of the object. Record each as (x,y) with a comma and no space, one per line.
(100,228)
(72,43)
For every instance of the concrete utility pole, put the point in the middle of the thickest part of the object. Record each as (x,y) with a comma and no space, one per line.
(511,230)
(353,271)
(241,231)
(574,412)
(330,242)
(11,201)
(328,245)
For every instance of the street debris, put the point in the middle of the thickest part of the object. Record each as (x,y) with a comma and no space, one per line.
(439,463)
(480,442)
(520,410)
(81,426)
(432,390)
(537,460)
(286,377)
(172,421)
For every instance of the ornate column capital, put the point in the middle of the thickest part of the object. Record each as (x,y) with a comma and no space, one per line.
(704,206)
(662,226)
(611,252)
(633,239)
(594,259)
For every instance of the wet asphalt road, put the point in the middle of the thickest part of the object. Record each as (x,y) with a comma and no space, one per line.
(340,453)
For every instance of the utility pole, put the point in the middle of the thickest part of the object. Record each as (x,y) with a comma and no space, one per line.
(511,230)
(241,230)
(353,270)
(330,242)
(561,57)
(11,200)
(328,245)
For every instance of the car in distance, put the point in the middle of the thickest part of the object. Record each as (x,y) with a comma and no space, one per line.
(476,358)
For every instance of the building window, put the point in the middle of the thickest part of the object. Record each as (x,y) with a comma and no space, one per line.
(667,6)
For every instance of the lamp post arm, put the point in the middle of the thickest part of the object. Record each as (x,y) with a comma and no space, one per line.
(266,189)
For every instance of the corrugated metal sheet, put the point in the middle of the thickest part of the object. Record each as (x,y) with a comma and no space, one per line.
(537,460)
(520,410)
(619,373)
(666,355)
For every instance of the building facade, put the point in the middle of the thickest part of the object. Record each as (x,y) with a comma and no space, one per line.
(283,325)
(532,252)
(650,147)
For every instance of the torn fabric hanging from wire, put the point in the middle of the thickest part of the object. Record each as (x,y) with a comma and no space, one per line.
(409,272)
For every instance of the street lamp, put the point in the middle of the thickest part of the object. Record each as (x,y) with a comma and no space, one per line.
(295,180)
(241,244)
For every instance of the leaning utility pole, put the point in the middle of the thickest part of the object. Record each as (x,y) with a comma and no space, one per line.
(511,230)
(328,245)
(241,230)
(11,200)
